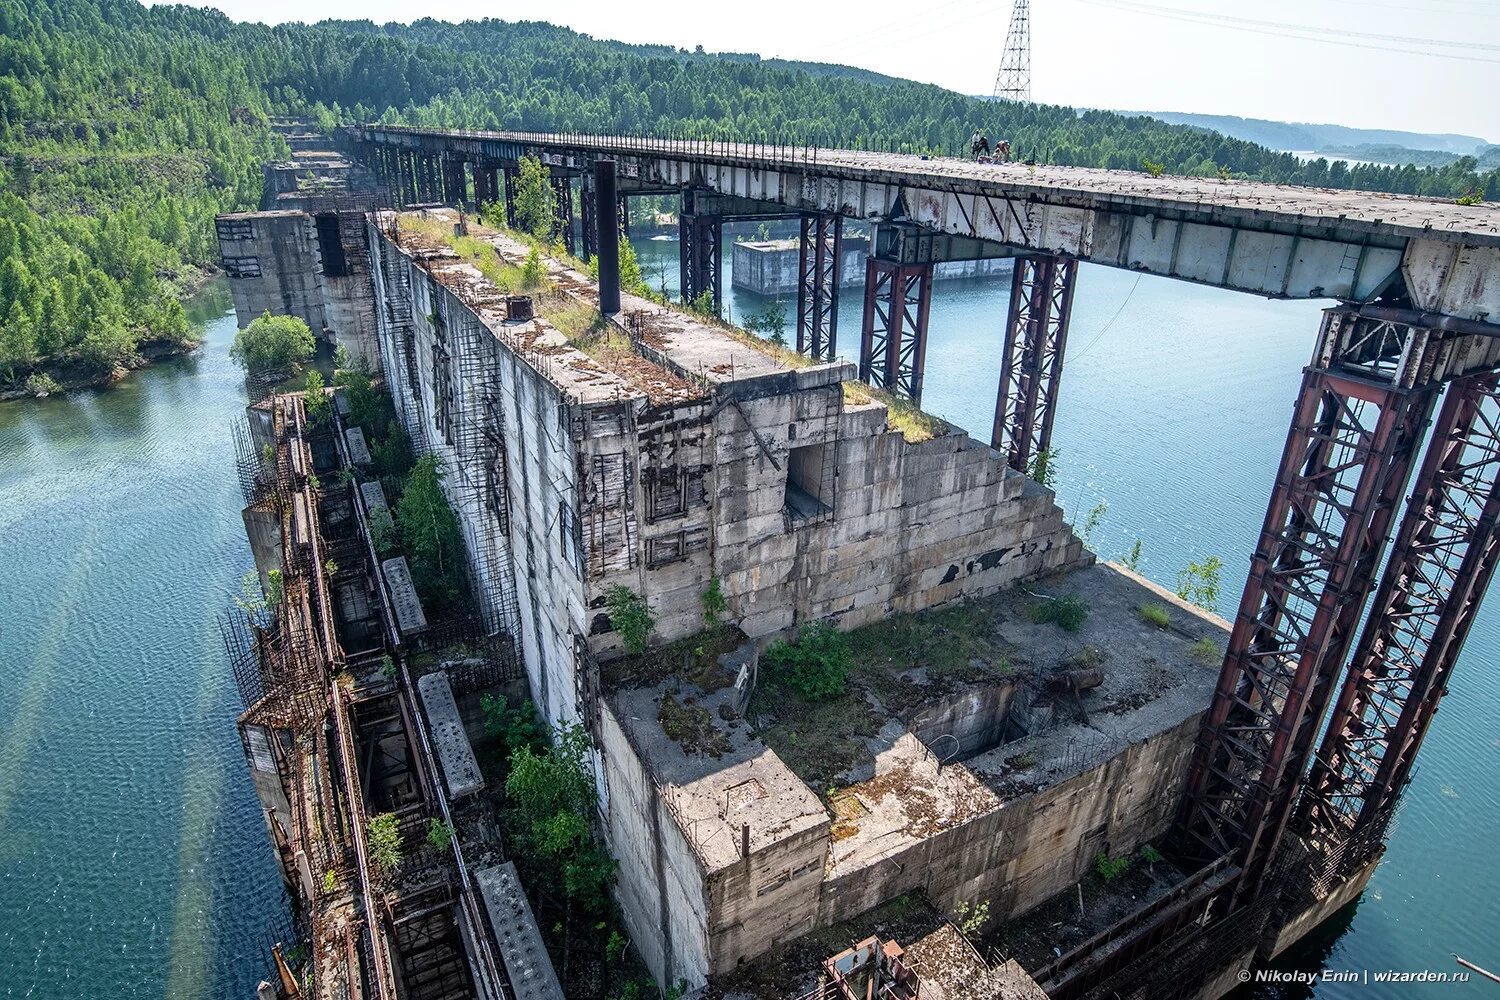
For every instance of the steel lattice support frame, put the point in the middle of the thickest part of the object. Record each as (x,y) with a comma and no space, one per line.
(893,338)
(819,263)
(625,215)
(1355,431)
(1036,336)
(480,175)
(1440,566)
(699,270)
(588,207)
(562,207)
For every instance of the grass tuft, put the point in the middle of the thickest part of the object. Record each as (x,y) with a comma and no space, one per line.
(1067,613)
(1155,615)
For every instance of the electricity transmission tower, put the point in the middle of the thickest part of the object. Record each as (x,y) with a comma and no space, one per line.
(1013,82)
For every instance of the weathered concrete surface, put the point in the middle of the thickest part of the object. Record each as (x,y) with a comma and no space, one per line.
(527,963)
(408,606)
(290,263)
(460,769)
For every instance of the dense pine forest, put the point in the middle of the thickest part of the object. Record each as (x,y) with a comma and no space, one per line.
(124,129)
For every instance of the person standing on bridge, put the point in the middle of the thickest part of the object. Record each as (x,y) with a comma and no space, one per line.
(979,145)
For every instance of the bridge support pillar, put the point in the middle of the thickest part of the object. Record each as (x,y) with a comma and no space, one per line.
(1357,426)
(510,171)
(482,194)
(588,210)
(562,207)
(893,338)
(1440,566)
(1036,335)
(624,211)
(820,261)
(455,183)
(701,254)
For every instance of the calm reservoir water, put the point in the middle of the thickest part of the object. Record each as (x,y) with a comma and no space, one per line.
(133,860)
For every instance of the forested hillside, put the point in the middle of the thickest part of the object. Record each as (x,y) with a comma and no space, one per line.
(124,129)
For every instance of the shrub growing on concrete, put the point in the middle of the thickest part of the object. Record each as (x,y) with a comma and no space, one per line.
(630,617)
(816,666)
(1067,613)
(1109,868)
(273,342)
(1199,582)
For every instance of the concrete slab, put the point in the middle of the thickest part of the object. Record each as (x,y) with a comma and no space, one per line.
(409,615)
(460,770)
(374,496)
(532,976)
(359,450)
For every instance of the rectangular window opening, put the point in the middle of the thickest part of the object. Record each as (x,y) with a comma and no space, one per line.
(810,474)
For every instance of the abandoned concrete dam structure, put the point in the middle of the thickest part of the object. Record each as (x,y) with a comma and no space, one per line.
(1017,718)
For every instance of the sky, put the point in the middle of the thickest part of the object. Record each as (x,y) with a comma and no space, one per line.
(1424,65)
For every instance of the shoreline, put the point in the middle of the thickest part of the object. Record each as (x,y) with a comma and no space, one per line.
(73,374)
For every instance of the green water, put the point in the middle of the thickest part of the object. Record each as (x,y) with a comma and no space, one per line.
(133,859)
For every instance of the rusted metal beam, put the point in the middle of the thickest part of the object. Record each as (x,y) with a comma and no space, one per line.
(701,254)
(1355,431)
(893,337)
(1036,336)
(820,261)
(1440,566)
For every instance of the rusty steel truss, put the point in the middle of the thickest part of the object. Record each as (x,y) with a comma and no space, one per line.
(1440,565)
(562,208)
(820,261)
(893,340)
(701,235)
(1356,430)
(1036,335)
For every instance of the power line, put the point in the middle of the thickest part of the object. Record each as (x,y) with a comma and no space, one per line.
(1299,32)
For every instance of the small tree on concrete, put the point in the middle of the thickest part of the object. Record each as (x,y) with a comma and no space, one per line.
(271,343)
(630,617)
(535,212)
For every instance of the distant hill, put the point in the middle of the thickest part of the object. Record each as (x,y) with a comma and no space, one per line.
(1298,136)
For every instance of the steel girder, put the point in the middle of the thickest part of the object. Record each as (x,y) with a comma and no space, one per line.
(562,207)
(820,263)
(893,338)
(1036,335)
(1440,565)
(1358,423)
(700,257)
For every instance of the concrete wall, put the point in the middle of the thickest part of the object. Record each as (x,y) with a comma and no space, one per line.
(969,722)
(274,261)
(273,265)
(768,900)
(913,525)
(660,885)
(1032,847)
(529,580)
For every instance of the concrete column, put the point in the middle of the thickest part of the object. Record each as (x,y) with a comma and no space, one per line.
(606,236)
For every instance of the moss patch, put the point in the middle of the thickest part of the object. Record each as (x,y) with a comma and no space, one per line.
(691,727)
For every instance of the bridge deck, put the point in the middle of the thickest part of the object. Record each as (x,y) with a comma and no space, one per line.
(1405,215)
